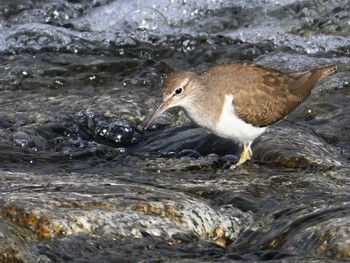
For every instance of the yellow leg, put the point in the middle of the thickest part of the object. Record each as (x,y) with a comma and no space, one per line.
(245,155)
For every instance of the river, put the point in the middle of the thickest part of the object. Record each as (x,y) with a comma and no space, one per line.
(82,182)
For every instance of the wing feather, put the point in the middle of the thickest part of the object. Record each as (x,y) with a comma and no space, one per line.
(262,96)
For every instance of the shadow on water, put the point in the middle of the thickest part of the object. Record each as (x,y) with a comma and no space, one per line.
(82,182)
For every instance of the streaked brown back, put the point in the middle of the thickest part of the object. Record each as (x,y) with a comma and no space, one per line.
(263,96)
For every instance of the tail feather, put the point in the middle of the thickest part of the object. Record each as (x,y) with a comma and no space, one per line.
(324,71)
(305,81)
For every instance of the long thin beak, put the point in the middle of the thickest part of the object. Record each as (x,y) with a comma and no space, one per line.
(163,107)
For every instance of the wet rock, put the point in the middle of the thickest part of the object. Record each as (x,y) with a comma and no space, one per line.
(186,137)
(116,132)
(231,159)
(14,243)
(5,122)
(87,134)
(320,233)
(151,212)
(327,238)
(295,146)
(189,153)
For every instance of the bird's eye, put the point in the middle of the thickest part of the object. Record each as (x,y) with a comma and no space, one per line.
(178,91)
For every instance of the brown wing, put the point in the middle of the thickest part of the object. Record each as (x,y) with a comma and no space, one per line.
(260,95)
(263,96)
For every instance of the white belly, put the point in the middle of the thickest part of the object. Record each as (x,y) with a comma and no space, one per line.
(231,127)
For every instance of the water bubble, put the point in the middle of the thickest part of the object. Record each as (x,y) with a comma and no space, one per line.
(121,150)
(55,14)
(185,43)
(195,12)
(23,140)
(103,132)
(67,150)
(167,154)
(58,82)
(119,137)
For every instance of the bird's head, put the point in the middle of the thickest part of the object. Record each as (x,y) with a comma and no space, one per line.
(179,90)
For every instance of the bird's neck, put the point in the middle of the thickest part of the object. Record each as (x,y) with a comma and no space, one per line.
(204,107)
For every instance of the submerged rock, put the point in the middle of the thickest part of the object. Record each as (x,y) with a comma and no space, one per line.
(294,146)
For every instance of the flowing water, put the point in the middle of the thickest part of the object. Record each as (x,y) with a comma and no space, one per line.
(81,181)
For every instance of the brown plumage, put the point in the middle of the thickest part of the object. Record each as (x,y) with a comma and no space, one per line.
(238,101)
(263,96)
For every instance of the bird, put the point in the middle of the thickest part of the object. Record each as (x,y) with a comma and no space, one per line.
(238,101)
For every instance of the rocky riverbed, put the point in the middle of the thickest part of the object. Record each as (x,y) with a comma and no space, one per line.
(82,182)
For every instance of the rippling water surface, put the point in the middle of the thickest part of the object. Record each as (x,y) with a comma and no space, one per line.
(81,181)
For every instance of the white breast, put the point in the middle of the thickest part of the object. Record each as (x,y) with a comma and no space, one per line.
(231,127)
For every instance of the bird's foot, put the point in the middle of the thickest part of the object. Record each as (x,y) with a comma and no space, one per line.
(245,155)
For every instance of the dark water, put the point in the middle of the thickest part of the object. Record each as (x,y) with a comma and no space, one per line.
(81,181)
